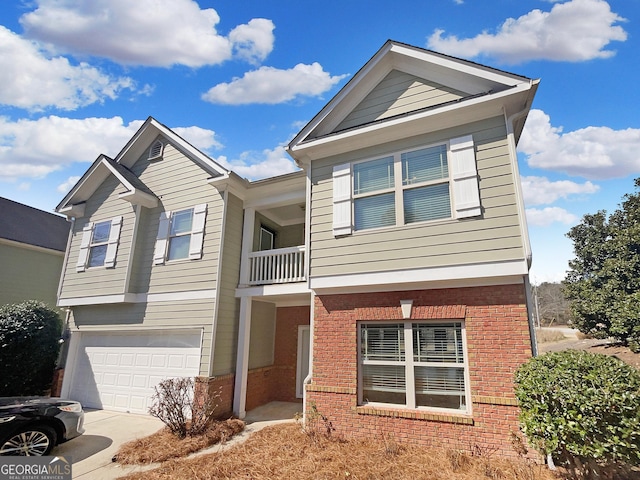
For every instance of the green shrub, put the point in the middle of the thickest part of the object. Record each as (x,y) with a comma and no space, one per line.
(582,408)
(29,344)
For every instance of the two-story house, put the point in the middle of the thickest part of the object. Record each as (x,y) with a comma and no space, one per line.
(385,283)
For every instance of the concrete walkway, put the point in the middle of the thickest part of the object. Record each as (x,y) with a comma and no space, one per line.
(106,431)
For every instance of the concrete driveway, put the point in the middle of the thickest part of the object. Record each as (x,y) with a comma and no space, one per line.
(105,431)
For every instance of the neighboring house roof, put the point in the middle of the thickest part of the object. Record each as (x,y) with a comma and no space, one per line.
(476,92)
(135,190)
(23,224)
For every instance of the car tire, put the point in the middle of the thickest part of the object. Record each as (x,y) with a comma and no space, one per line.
(36,440)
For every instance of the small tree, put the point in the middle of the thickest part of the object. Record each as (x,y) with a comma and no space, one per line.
(581,408)
(182,408)
(29,344)
(603,283)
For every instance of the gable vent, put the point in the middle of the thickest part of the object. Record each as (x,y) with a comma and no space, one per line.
(155,152)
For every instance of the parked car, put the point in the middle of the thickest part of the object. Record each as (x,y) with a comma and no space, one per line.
(32,426)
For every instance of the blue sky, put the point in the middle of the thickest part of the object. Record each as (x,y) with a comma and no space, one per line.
(239,79)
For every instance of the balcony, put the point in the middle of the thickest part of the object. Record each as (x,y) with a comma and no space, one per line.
(277,266)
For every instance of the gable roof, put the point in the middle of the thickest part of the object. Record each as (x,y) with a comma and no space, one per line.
(23,224)
(135,190)
(464,91)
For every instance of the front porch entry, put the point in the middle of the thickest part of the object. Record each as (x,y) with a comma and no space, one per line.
(273,353)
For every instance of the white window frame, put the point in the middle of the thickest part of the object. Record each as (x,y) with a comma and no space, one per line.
(96,244)
(88,243)
(399,188)
(163,240)
(173,236)
(462,182)
(409,364)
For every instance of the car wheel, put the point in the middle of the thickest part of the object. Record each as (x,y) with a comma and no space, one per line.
(30,442)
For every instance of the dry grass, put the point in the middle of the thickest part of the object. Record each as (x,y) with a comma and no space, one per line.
(544,335)
(286,452)
(163,445)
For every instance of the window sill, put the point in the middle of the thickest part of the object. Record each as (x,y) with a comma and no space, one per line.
(415,414)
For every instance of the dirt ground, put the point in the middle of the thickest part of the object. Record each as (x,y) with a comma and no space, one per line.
(605,347)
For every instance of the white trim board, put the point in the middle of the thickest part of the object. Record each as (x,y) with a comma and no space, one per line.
(459,276)
(138,298)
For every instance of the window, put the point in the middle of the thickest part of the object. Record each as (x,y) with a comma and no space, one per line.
(418,185)
(423,188)
(99,244)
(267,239)
(180,234)
(413,365)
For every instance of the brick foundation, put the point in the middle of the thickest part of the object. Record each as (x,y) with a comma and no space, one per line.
(497,334)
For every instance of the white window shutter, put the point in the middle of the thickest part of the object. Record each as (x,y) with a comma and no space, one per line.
(162,238)
(83,254)
(342,224)
(464,172)
(114,238)
(197,231)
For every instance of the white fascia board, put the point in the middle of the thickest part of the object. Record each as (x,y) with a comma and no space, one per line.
(137,197)
(410,125)
(424,278)
(458,65)
(151,129)
(273,290)
(138,298)
(230,182)
(85,187)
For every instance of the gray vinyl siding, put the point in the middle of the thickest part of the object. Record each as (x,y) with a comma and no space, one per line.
(185,314)
(29,274)
(103,205)
(493,237)
(228,310)
(179,183)
(397,94)
(263,334)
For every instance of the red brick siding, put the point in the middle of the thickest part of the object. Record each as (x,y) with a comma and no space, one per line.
(497,334)
(278,382)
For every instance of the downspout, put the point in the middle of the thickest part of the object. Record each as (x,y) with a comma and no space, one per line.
(524,230)
(307,242)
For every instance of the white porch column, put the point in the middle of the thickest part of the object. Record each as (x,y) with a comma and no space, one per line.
(247,244)
(242,359)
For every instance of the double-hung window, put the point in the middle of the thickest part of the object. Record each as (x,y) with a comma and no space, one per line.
(413,365)
(407,187)
(423,184)
(180,234)
(99,244)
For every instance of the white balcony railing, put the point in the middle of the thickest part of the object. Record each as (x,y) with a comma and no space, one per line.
(281,265)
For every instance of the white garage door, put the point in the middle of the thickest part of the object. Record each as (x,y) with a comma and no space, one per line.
(120,371)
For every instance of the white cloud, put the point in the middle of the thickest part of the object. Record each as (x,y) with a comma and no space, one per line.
(253,41)
(145,32)
(35,148)
(271,85)
(254,166)
(542,191)
(591,152)
(68,184)
(548,215)
(31,80)
(201,138)
(577,30)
